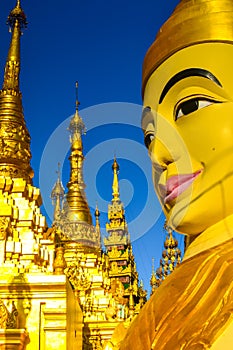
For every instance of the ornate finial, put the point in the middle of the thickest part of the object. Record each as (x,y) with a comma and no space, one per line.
(58,170)
(97,224)
(77,103)
(15,152)
(97,213)
(17,14)
(58,189)
(16,21)
(115,184)
(116,212)
(76,204)
(77,127)
(153,281)
(57,195)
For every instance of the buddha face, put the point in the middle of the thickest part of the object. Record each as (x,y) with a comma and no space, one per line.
(188,127)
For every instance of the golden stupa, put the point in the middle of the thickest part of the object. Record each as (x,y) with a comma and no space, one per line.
(59,288)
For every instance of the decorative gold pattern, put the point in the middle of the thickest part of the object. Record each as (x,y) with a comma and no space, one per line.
(8,319)
(59,261)
(28,284)
(72,215)
(37,263)
(77,277)
(117,243)
(14,137)
(57,196)
(189,295)
(76,204)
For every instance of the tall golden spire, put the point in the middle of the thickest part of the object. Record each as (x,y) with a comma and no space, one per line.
(97,224)
(15,152)
(77,207)
(153,280)
(115,184)
(116,212)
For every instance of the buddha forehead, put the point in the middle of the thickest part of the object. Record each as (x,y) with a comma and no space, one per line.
(206,64)
(192,22)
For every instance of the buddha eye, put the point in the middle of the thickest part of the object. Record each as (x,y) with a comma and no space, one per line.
(148,138)
(148,125)
(192,105)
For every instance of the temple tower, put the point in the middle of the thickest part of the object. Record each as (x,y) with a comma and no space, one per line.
(171,258)
(34,301)
(78,249)
(119,249)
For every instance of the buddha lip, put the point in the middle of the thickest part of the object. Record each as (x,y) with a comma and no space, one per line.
(177,185)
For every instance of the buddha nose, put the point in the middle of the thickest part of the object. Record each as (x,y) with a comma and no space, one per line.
(169,150)
(167,145)
(161,154)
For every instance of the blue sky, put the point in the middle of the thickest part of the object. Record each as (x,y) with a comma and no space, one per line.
(101,44)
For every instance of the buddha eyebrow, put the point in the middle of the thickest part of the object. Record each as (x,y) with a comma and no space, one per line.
(195,72)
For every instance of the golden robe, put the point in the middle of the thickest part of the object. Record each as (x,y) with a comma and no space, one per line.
(191,309)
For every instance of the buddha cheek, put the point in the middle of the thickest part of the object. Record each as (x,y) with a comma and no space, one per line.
(208,134)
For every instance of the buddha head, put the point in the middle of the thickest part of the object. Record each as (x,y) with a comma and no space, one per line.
(188,114)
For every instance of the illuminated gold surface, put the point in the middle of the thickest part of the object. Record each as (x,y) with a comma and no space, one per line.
(13,339)
(14,137)
(72,217)
(190,134)
(77,207)
(94,275)
(197,316)
(117,243)
(58,289)
(33,301)
(42,304)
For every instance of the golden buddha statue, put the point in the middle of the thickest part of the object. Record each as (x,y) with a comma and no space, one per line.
(188,126)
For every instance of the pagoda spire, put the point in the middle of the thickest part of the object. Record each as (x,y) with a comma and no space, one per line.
(153,280)
(116,212)
(115,184)
(16,21)
(57,196)
(15,152)
(118,245)
(171,258)
(76,199)
(97,224)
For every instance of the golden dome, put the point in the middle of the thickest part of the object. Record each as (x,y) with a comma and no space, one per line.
(192,22)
